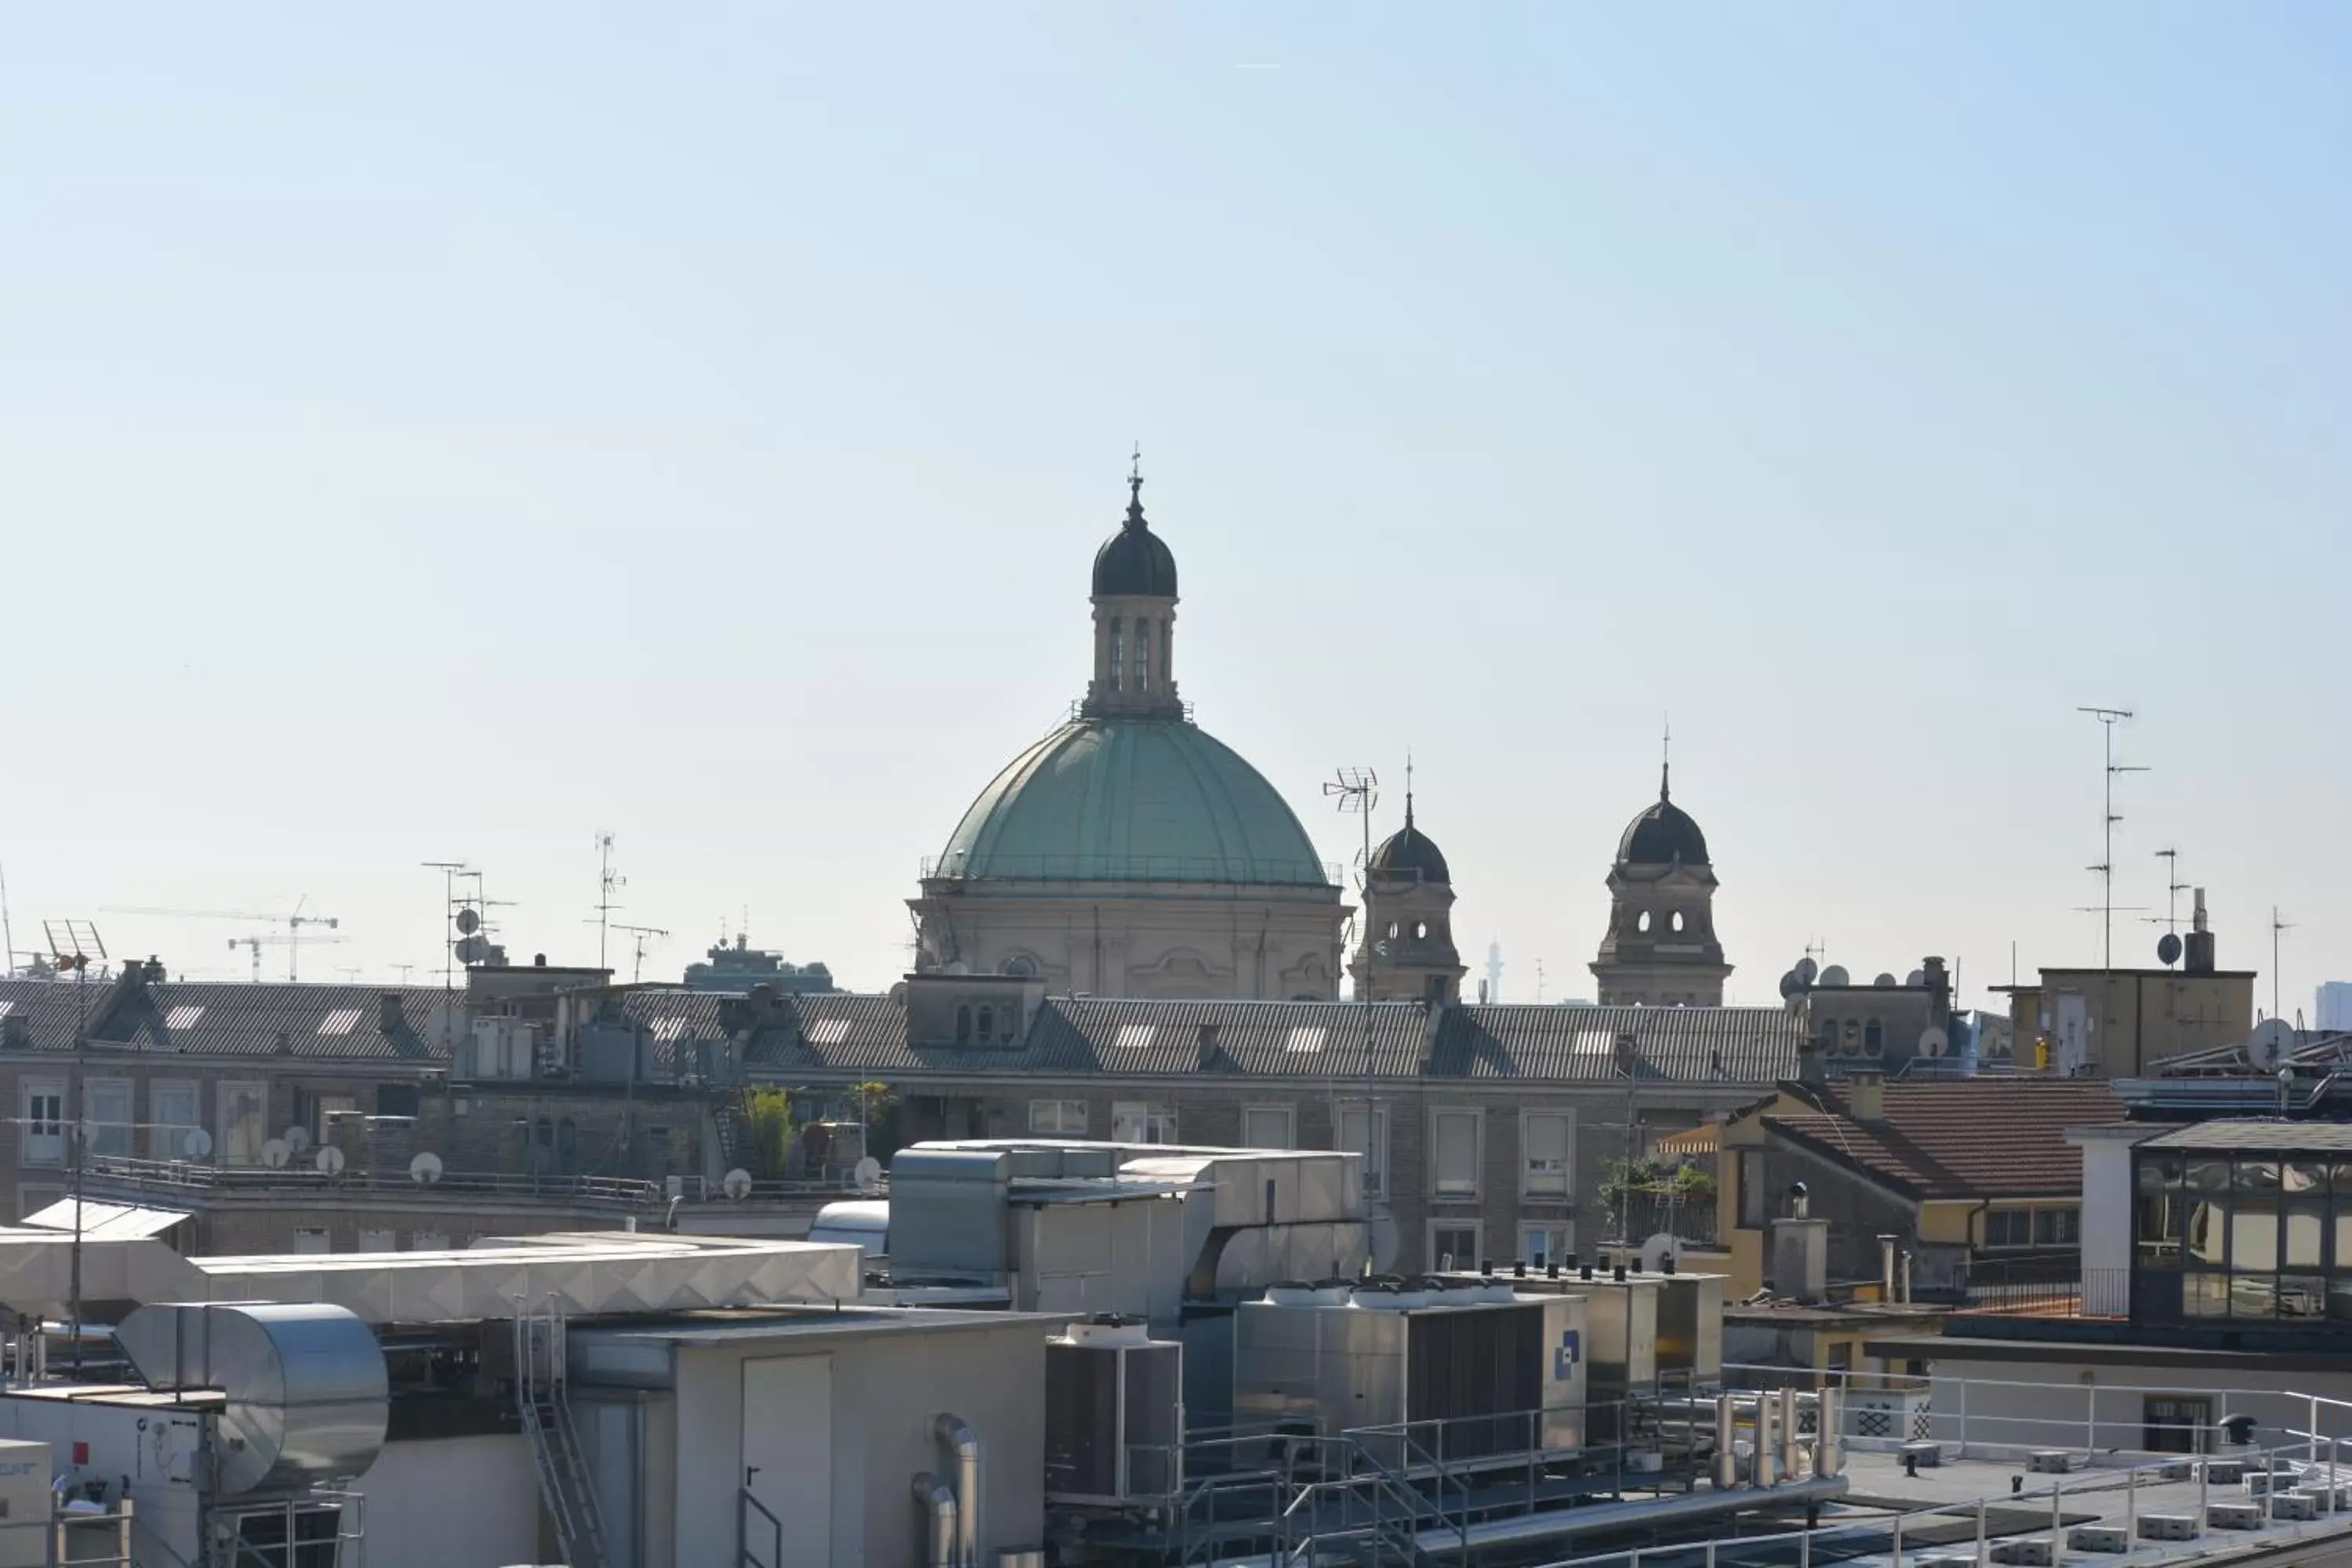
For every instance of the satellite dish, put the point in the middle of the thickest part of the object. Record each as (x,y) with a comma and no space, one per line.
(736,1184)
(425,1169)
(1884,981)
(1934,1042)
(331,1160)
(275,1153)
(198,1143)
(468,922)
(1792,985)
(1915,979)
(1835,974)
(2268,1041)
(472,950)
(2167,949)
(899,994)
(957,966)
(297,1138)
(867,1173)
(1807,970)
(1384,1240)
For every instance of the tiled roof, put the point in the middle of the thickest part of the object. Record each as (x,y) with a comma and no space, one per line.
(1321,1040)
(1983,1137)
(1683,1045)
(227,1018)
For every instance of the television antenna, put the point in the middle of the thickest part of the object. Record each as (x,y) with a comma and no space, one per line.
(2173,887)
(645,937)
(292,940)
(72,945)
(2108,719)
(1356,790)
(608,882)
(2277,925)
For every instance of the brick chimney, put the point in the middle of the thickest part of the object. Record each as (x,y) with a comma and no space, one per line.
(1865,1096)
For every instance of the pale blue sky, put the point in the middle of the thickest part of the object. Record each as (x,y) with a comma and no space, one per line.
(448,432)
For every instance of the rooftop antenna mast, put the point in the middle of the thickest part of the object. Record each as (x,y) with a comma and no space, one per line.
(645,936)
(1356,790)
(2173,887)
(450,871)
(2277,925)
(72,944)
(1494,973)
(608,882)
(7,931)
(2108,719)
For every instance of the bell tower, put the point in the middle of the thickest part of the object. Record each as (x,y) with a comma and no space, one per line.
(1135,620)
(1659,949)
(1408,953)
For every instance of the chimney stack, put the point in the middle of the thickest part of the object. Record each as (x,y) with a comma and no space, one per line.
(1865,1096)
(2200,959)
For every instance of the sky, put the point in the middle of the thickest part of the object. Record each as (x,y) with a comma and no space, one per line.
(448,432)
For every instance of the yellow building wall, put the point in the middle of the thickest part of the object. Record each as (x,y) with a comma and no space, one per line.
(2140,1017)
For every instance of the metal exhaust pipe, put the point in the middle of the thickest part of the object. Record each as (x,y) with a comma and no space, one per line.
(964,1443)
(939,1504)
(1768,1468)
(1792,1447)
(1726,1462)
(1828,1412)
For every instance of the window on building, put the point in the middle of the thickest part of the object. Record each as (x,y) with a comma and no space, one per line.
(312,1238)
(987,1022)
(1167,665)
(1058,1118)
(963,1025)
(171,1115)
(243,1123)
(1453,1243)
(1542,1245)
(1677,920)
(1118,655)
(1140,1121)
(397,1099)
(1750,1169)
(1143,656)
(317,1112)
(45,1123)
(2008,1227)
(1364,1129)
(1268,1127)
(1642,920)
(1453,1143)
(2176,1423)
(1874,1038)
(2057,1227)
(567,1137)
(379,1240)
(106,1106)
(428,1241)
(1544,1139)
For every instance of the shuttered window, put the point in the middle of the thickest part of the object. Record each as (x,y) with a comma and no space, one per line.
(1453,1143)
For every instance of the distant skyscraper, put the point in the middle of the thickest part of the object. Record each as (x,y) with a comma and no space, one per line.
(2335,1005)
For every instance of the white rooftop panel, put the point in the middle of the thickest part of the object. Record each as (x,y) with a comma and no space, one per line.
(829,1032)
(183,1016)
(341,1021)
(1135,1037)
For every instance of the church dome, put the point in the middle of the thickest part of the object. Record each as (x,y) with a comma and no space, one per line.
(1409,853)
(1661,836)
(1135,561)
(1131,800)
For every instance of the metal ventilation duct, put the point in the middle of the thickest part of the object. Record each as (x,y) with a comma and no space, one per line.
(306,1394)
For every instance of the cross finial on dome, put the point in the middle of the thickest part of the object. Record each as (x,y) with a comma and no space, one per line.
(1667,761)
(1135,489)
(1408,789)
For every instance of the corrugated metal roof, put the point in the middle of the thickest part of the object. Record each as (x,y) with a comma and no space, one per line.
(1106,1036)
(2284,1137)
(230,1018)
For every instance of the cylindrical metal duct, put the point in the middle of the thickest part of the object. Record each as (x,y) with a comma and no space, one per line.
(1905,1282)
(1768,1468)
(938,1502)
(964,1443)
(1792,1448)
(1886,1268)
(1828,1451)
(1726,1462)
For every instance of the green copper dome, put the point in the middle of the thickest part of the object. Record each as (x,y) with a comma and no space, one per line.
(1131,800)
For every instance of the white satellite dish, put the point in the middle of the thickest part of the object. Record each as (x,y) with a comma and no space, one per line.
(331,1160)
(2270,1040)
(1885,982)
(866,1173)
(1835,974)
(198,1143)
(1807,970)
(1915,979)
(297,1138)
(275,1153)
(1934,1042)
(425,1169)
(736,1184)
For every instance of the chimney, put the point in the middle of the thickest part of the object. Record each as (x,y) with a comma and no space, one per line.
(1808,1061)
(388,1019)
(1865,1096)
(1939,989)
(2200,940)
(1886,1268)
(1801,1257)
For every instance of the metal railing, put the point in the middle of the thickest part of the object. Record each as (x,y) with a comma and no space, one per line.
(1129,868)
(285,1542)
(745,1506)
(192,1177)
(2051,1288)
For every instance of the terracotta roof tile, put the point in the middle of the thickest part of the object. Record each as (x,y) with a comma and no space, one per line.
(1963,1138)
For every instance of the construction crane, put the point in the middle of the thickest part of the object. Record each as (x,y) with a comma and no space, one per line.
(293,940)
(254,944)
